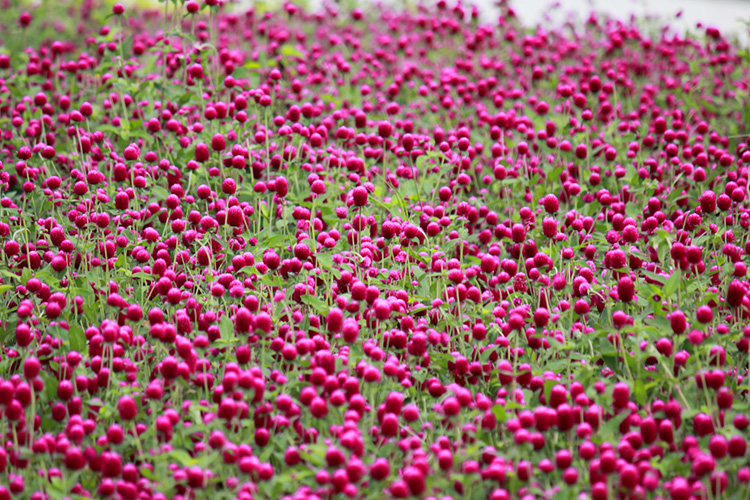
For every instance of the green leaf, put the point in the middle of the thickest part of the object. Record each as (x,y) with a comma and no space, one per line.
(672,284)
(555,174)
(48,424)
(500,413)
(50,386)
(226,327)
(120,263)
(314,302)
(288,50)
(77,338)
(266,453)
(640,392)
(325,261)
(182,457)
(656,277)
(612,427)
(146,472)
(418,272)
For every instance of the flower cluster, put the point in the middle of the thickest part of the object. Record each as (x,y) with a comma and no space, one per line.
(376,253)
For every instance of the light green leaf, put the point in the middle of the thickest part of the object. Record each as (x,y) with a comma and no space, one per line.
(672,284)
(77,338)
(226,327)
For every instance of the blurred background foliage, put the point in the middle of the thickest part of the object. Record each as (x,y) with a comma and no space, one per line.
(61,19)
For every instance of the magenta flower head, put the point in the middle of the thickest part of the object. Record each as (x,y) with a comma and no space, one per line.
(704,314)
(218,142)
(581,307)
(736,293)
(127,408)
(678,322)
(625,289)
(31,368)
(621,395)
(551,203)
(707,202)
(201,152)
(235,216)
(271,259)
(282,186)
(318,187)
(385,129)
(229,186)
(350,330)
(380,469)
(196,71)
(549,227)
(24,19)
(541,317)
(518,233)
(334,320)
(359,196)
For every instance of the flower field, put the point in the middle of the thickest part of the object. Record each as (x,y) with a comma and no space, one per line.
(375,252)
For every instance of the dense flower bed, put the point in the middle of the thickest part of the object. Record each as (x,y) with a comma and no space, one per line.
(369,254)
